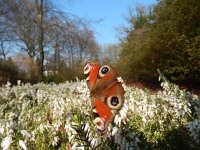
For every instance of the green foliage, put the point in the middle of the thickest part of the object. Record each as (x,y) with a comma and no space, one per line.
(134,62)
(55,78)
(169,41)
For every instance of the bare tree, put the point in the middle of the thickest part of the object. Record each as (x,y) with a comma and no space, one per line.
(3,51)
(110,53)
(25,19)
(39,6)
(38,29)
(20,20)
(3,30)
(3,8)
(55,36)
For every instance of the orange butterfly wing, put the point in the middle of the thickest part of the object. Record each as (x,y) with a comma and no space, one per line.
(106,92)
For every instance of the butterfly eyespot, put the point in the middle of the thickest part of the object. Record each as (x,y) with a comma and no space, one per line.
(114,102)
(104,70)
(87,68)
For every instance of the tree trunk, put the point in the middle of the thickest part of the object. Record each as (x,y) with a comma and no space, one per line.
(56,57)
(39,5)
(3,51)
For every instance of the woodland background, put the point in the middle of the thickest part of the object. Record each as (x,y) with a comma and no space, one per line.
(40,43)
(37,38)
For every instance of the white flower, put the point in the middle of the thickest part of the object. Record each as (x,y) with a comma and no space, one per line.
(114,131)
(86,126)
(120,79)
(117,119)
(71,137)
(5,144)
(22,144)
(18,82)
(68,117)
(123,112)
(74,146)
(89,135)
(56,140)
(22,96)
(8,84)
(25,133)
(32,138)
(95,142)
(2,130)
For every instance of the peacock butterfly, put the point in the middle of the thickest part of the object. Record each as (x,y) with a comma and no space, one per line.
(106,92)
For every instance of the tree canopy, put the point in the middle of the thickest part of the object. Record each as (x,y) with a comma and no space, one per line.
(165,36)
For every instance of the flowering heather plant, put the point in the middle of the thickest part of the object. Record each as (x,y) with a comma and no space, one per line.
(50,116)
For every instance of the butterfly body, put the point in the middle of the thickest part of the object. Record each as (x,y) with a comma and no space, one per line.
(106,92)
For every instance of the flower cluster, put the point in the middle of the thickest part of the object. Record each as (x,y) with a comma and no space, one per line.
(49,116)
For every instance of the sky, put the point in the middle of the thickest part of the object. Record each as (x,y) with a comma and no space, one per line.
(106,16)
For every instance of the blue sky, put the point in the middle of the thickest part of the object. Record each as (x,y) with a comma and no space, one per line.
(110,12)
